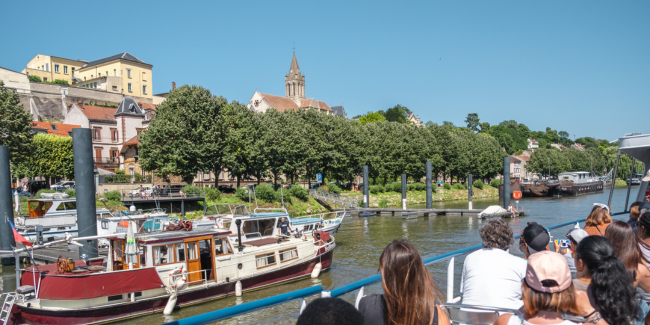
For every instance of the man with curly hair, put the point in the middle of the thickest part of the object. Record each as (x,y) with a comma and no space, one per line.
(492,276)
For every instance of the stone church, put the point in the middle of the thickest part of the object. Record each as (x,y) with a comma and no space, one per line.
(294,98)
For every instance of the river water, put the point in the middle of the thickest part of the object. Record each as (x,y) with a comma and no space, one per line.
(360,241)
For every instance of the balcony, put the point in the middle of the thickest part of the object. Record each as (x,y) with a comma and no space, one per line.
(108,163)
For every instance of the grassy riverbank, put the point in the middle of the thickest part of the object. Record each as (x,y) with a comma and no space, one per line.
(295,208)
(414,197)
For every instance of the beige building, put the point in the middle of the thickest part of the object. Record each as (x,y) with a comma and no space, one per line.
(51,68)
(294,88)
(15,80)
(135,79)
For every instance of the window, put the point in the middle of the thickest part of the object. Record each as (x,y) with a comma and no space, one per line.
(180,252)
(98,154)
(129,87)
(114,135)
(47,67)
(104,224)
(137,294)
(114,88)
(163,254)
(114,154)
(44,78)
(56,68)
(99,75)
(115,297)
(143,259)
(115,72)
(65,69)
(288,254)
(91,76)
(128,73)
(192,251)
(72,70)
(265,260)
(222,246)
(144,76)
(97,135)
(144,89)
(95,85)
(53,127)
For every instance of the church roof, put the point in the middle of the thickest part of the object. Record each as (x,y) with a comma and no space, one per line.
(279,103)
(324,106)
(294,68)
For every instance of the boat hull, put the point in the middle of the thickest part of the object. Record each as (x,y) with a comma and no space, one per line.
(185,298)
(582,188)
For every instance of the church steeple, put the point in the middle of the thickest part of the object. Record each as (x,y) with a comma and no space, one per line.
(294,82)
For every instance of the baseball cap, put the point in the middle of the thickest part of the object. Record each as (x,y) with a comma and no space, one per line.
(548,272)
(577,235)
(647,177)
(644,207)
(536,237)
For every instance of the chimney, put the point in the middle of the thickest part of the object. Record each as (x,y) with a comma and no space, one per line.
(173,85)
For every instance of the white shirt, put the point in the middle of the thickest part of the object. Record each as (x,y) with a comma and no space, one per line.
(492,278)
(519,320)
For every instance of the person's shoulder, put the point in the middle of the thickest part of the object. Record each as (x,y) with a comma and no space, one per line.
(371,302)
(504,319)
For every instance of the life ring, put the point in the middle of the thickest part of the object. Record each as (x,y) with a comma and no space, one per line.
(177,280)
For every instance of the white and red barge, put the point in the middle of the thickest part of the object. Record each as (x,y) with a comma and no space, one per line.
(203,263)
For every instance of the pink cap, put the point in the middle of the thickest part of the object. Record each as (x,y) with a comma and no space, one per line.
(547,265)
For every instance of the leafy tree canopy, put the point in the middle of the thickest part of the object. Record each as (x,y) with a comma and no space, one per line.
(15,124)
(371,117)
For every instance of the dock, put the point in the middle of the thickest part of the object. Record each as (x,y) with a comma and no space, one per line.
(371,212)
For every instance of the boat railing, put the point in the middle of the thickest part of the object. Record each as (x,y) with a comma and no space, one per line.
(204,280)
(358,286)
(337,214)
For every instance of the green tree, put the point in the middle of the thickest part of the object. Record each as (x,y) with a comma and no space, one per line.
(552,136)
(485,126)
(187,135)
(15,125)
(398,114)
(371,117)
(35,79)
(542,159)
(241,134)
(50,157)
(473,122)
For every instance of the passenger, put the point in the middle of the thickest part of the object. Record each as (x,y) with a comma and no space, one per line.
(643,231)
(604,286)
(409,293)
(547,292)
(534,238)
(284,227)
(598,220)
(634,215)
(511,208)
(181,193)
(575,235)
(492,276)
(330,311)
(626,245)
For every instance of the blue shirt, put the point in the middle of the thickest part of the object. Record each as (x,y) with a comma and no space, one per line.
(284,227)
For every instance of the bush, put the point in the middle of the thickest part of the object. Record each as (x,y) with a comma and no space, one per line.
(119,171)
(360,202)
(478,184)
(283,194)
(495,183)
(334,188)
(374,189)
(383,203)
(38,194)
(419,186)
(458,186)
(242,193)
(59,82)
(192,189)
(299,192)
(35,79)
(265,193)
(446,186)
(211,194)
(71,193)
(465,186)
(395,187)
(113,195)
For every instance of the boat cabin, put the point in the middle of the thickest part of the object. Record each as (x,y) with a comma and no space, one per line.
(576,177)
(265,224)
(54,212)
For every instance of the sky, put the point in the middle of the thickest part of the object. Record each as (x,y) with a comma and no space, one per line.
(576,66)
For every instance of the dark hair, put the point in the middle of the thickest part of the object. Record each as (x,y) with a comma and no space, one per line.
(644,221)
(635,204)
(497,234)
(408,287)
(626,245)
(330,311)
(598,216)
(611,284)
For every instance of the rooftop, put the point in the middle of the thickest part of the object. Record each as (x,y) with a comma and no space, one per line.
(122,56)
(59,129)
(179,234)
(98,112)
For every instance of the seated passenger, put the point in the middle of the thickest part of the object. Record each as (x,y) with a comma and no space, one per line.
(634,215)
(330,311)
(643,231)
(547,292)
(492,276)
(598,220)
(409,293)
(534,238)
(575,235)
(604,286)
(626,245)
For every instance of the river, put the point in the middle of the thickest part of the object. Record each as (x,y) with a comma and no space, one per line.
(361,241)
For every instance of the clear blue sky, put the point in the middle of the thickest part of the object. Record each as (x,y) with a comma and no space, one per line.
(578,66)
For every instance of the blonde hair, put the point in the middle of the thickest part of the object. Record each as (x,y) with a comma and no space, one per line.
(560,302)
(598,216)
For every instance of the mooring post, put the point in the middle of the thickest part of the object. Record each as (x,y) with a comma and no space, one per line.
(469,190)
(404,191)
(429,188)
(6,210)
(366,199)
(506,182)
(84,177)
(183,208)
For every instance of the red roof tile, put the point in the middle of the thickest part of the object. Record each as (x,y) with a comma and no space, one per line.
(147,106)
(133,141)
(324,106)
(280,103)
(59,129)
(98,113)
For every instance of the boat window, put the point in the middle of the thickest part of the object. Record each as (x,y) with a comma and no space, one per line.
(180,252)
(70,205)
(137,294)
(163,254)
(288,254)
(60,207)
(104,224)
(192,251)
(222,247)
(60,228)
(143,257)
(115,297)
(265,260)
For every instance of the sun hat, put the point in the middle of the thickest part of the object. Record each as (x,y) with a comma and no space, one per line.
(577,235)
(536,237)
(647,177)
(548,272)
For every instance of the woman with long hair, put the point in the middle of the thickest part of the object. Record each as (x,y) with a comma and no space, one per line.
(409,293)
(605,282)
(598,220)
(547,292)
(643,230)
(626,244)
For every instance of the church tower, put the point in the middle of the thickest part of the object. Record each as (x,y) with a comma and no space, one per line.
(294,82)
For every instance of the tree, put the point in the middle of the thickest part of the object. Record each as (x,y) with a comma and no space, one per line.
(542,158)
(371,117)
(551,136)
(473,122)
(50,157)
(398,114)
(15,125)
(35,79)
(187,135)
(485,126)
(241,130)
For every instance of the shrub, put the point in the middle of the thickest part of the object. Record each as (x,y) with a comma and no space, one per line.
(283,194)
(60,82)
(119,171)
(192,189)
(71,193)
(446,186)
(334,188)
(212,194)
(242,193)
(35,79)
(265,193)
(374,189)
(419,186)
(395,187)
(465,186)
(383,203)
(458,186)
(360,202)
(410,187)
(113,195)
(495,183)
(299,192)
(478,184)
(38,194)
